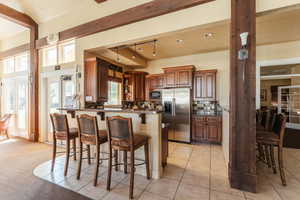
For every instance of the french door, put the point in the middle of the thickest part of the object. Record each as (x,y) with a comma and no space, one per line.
(60,94)
(15,102)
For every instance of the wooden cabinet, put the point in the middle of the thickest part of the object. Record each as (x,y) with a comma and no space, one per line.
(134,86)
(154,82)
(96,80)
(179,76)
(205,85)
(207,129)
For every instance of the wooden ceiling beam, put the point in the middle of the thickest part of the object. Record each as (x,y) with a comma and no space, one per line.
(100,1)
(142,12)
(16,16)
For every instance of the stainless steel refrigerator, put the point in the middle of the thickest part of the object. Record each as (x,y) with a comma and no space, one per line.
(177,113)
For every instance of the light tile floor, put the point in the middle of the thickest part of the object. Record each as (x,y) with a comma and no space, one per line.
(193,173)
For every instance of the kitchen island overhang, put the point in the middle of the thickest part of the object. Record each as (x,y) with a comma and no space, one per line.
(144,122)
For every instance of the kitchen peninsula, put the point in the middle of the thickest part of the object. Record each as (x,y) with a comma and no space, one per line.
(144,122)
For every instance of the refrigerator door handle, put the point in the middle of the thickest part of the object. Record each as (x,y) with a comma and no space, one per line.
(174,105)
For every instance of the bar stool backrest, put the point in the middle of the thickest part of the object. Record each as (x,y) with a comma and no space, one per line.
(87,124)
(279,126)
(60,125)
(120,130)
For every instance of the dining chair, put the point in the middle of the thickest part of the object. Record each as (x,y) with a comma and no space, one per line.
(4,123)
(122,138)
(62,132)
(274,138)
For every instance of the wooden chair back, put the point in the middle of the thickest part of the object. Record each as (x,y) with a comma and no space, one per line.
(60,126)
(279,126)
(120,132)
(4,122)
(88,129)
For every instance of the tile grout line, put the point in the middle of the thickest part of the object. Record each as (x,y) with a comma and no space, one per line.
(180,180)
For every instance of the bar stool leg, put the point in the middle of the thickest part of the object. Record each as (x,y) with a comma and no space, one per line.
(67,157)
(131,174)
(146,150)
(109,169)
(6,133)
(80,160)
(267,154)
(54,154)
(89,153)
(116,160)
(280,163)
(97,164)
(273,159)
(74,148)
(125,161)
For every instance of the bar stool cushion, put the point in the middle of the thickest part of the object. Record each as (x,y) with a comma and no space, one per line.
(139,140)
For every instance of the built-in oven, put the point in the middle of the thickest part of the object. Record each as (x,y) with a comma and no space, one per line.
(155,95)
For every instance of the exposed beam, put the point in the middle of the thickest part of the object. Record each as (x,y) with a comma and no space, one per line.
(100,1)
(242,156)
(14,51)
(142,12)
(16,16)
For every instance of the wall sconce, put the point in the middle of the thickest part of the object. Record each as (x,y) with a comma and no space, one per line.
(52,38)
(243,52)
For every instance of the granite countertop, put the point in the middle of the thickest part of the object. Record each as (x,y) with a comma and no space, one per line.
(207,114)
(118,110)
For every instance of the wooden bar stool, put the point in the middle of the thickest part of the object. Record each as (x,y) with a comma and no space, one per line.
(61,131)
(90,135)
(121,137)
(272,139)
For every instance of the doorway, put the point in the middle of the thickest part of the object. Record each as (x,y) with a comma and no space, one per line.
(60,93)
(15,102)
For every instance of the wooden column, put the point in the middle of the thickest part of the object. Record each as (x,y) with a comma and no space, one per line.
(242,159)
(34,87)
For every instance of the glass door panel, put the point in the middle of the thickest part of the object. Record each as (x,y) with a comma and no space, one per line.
(21,107)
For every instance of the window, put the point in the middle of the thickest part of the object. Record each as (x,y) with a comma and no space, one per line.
(21,63)
(50,56)
(8,65)
(68,52)
(17,63)
(59,54)
(114,93)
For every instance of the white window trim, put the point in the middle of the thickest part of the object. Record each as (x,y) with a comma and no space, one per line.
(14,72)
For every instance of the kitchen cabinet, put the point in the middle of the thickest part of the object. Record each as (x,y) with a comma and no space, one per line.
(179,76)
(154,82)
(205,85)
(134,86)
(96,80)
(207,129)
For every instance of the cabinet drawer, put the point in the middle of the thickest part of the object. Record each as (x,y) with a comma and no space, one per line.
(213,119)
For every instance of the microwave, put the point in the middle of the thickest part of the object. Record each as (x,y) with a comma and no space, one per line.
(155,95)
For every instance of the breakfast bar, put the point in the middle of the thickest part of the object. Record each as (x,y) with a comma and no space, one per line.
(146,122)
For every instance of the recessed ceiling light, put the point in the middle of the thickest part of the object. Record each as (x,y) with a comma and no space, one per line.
(179,40)
(208,35)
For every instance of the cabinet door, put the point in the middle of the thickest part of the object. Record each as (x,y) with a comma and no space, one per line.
(102,82)
(199,131)
(139,87)
(184,78)
(90,80)
(199,86)
(153,83)
(170,79)
(210,86)
(213,131)
(160,80)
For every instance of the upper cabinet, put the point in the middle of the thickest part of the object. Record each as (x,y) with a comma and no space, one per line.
(154,82)
(96,80)
(179,76)
(134,86)
(205,85)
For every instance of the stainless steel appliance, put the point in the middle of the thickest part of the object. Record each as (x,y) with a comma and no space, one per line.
(177,112)
(155,95)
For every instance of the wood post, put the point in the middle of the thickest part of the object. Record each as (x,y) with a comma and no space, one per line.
(33,87)
(242,158)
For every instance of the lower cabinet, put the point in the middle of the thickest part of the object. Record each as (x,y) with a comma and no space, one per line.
(207,129)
